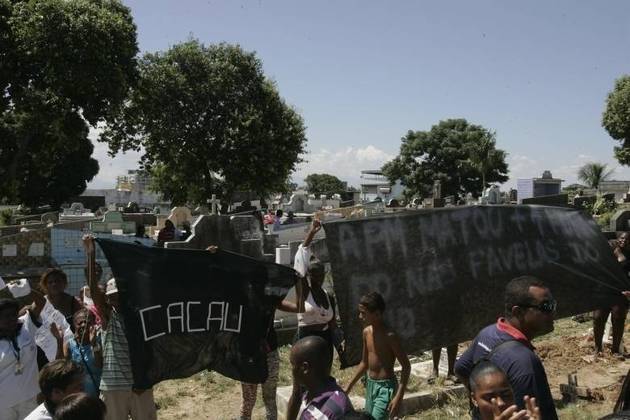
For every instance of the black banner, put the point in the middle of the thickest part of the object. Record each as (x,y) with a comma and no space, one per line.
(442,272)
(187,310)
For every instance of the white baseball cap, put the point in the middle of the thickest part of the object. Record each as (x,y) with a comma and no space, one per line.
(111,288)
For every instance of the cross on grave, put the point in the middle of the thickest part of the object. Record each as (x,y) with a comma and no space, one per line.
(437,189)
(214,202)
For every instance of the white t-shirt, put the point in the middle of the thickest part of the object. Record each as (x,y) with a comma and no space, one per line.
(302,260)
(40,413)
(17,388)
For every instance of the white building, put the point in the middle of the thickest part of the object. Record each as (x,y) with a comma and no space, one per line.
(132,187)
(376,185)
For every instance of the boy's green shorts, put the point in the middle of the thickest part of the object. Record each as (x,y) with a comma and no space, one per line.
(379,393)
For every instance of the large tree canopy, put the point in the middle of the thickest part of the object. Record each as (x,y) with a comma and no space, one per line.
(64,64)
(616,118)
(209,122)
(324,184)
(459,154)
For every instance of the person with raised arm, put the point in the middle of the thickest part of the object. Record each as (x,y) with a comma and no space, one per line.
(316,314)
(19,352)
(117,391)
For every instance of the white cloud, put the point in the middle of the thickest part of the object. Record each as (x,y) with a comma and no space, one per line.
(345,163)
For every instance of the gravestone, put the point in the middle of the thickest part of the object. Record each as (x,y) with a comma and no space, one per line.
(209,230)
(75,208)
(113,223)
(557,200)
(437,189)
(619,221)
(50,217)
(270,243)
(513,195)
(251,248)
(245,227)
(201,210)
(179,215)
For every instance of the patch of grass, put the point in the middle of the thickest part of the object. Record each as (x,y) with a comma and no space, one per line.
(165,401)
(583,411)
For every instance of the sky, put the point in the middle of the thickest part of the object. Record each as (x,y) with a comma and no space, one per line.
(363,73)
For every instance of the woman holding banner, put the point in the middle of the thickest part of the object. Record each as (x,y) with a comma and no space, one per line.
(316,315)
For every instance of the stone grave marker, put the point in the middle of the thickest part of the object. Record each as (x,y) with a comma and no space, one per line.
(557,200)
(51,216)
(619,221)
(113,222)
(245,227)
(179,215)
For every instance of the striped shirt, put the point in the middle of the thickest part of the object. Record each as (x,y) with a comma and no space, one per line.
(331,403)
(117,375)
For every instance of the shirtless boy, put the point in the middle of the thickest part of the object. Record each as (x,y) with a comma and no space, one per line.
(381,348)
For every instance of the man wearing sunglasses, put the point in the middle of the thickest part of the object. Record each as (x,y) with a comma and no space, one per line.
(529,313)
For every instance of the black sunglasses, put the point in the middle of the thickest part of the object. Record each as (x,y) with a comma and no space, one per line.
(548,306)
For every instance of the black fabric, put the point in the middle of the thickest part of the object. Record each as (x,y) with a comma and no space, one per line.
(167,297)
(442,272)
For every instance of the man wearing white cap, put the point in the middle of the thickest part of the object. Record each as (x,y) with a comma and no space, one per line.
(18,351)
(117,390)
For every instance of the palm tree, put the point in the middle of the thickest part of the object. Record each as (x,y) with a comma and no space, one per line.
(593,173)
(484,155)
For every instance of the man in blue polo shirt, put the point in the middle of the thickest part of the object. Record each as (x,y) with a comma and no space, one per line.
(529,312)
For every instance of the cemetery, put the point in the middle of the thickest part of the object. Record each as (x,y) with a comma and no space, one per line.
(198,201)
(30,248)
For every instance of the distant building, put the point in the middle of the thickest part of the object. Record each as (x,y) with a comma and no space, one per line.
(132,187)
(538,187)
(376,185)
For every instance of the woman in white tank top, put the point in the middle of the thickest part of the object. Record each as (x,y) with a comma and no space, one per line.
(316,314)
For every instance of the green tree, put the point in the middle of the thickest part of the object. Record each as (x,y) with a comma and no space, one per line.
(209,122)
(616,118)
(593,173)
(319,184)
(64,65)
(483,156)
(450,152)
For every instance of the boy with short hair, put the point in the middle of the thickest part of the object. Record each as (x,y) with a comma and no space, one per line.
(57,380)
(381,348)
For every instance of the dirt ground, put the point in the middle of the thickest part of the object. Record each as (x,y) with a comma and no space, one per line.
(568,349)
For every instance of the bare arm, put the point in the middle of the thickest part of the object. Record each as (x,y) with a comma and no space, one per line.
(97,294)
(39,301)
(363,366)
(315,227)
(97,350)
(288,306)
(58,334)
(404,374)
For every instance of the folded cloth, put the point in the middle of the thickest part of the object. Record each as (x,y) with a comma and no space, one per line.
(19,288)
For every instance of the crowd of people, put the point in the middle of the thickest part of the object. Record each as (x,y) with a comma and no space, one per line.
(90,375)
